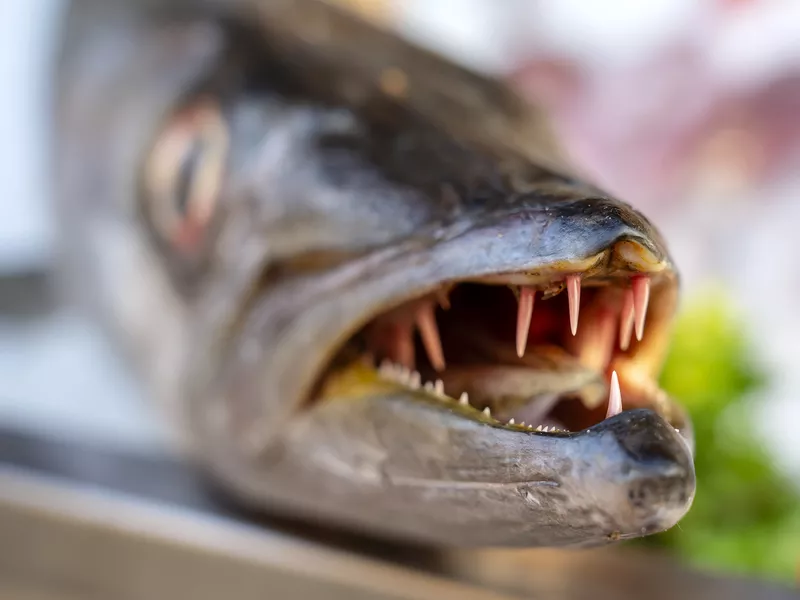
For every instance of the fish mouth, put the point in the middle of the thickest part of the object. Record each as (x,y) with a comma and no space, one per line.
(554,351)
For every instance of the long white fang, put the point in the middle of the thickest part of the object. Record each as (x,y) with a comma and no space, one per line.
(443,299)
(614,397)
(439,387)
(487,411)
(464,399)
(524,314)
(641,298)
(429,332)
(626,321)
(574,297)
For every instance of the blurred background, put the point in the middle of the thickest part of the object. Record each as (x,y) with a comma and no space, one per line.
(688,109)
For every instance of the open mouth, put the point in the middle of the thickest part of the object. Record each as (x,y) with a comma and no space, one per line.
(556,351)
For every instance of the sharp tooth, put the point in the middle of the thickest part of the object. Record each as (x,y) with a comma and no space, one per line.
(404,346)
(626,321)
(511,421)
(426,322)
(464,399)
(605,337)
(574,296)
(538,428)
(522,424)
(444,300)
(524,313)
(614,397)
(394,341)
(641,297)
(428,386)
(415,380)
(439,387)
(595,342)
(399,345)
(487,411)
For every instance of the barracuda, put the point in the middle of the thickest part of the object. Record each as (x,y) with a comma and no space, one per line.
(361,283)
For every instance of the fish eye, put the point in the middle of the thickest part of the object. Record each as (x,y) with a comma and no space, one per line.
(184,172)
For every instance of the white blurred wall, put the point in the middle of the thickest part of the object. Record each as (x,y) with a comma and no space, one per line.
(57,375)
(27,37)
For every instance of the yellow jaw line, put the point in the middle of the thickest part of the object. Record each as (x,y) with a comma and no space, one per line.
(360,381)
(356,381)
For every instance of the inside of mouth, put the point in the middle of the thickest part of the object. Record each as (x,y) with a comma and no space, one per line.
(550,386)
(472,344)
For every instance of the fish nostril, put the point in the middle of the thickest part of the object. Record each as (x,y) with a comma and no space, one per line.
(639,495)
(660,493)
